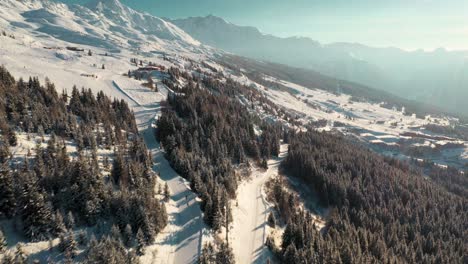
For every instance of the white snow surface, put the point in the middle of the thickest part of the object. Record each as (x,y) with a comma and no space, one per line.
(106,24)
(110,27)
(25,56)
(249,231)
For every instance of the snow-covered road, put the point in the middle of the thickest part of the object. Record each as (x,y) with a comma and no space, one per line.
(181,241)
(250,215)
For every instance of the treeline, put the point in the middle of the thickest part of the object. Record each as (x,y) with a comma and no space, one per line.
(49,194)
(252,99)
(381,211)
(450,178)
(457,131)
(204,134)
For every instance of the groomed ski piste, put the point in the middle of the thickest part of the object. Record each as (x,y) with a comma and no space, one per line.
(250,215)
(39,49)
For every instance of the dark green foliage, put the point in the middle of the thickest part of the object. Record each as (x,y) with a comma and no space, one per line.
(3,243)
(141,243)
(7,195)
(82,238)
(34,212)
(68,244)
(167,193)
(207,255)
(381,210)
(271,220)
(206,133)
(58,223)
(225,254)
(109,251)
(128,236)
(51,193)
(221,254)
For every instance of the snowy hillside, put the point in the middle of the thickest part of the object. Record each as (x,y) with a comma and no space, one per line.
(106,24)
(144,60)
(435,77)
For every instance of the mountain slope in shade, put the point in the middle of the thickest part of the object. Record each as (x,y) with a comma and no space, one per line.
(437,77)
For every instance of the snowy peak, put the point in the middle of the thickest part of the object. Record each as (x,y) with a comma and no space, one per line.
(110,4)
(101,23)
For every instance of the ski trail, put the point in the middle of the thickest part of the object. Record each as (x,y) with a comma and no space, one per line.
(181,241)
(250,216)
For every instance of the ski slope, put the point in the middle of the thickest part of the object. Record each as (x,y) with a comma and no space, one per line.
(249,230)
(181,241)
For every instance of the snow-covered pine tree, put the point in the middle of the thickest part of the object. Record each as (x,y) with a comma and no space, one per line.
(225,254)
(208,255)
(20,256)
(7,195)
(271,220)
(167,193)
(3,243)
(115,233)
(128,236)
(70,220)
(34,212)
(141,242)
(58,223)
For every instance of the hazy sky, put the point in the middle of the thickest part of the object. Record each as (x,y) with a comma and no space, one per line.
(408,24)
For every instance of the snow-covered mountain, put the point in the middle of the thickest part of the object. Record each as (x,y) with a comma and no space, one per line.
(437,77)
(107,24)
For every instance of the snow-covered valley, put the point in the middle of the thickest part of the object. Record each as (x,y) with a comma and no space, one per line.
(96,47)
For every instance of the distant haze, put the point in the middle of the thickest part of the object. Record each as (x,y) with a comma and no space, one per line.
(426,24)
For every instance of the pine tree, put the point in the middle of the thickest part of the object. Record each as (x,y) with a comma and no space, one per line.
(34,212)
(271,220)
(225,255)
(128,236)
(208,255)
(7,194)
(217,218)
(3,243)
(290,254)
(159,189)
(70,221)
(20,256)
(68,244)
(8,259)
(115,233)
(167,193)
(141,243)
(59,225)
(132,258)
(82,238)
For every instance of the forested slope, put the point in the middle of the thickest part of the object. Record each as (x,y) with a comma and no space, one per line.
(50,193)
(381,211)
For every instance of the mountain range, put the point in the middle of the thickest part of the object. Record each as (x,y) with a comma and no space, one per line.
(108,24)
(438,77)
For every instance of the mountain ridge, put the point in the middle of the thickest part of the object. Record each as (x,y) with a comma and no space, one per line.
(434,77)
